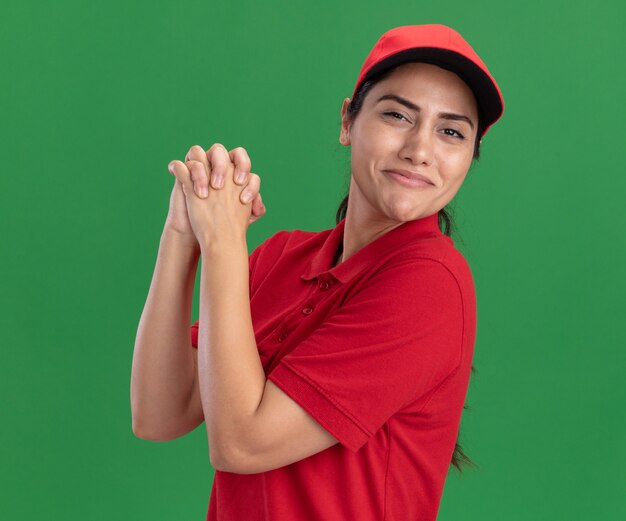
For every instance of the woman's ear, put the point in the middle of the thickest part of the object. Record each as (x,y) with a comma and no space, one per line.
(344,135)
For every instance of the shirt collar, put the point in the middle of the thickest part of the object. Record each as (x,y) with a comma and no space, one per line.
(396,239)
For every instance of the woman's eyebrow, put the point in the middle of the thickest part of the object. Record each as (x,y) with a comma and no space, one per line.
(413,106)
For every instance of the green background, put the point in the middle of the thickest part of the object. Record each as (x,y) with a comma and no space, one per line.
(97,98)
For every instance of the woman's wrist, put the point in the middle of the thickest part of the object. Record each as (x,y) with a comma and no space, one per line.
(179,240)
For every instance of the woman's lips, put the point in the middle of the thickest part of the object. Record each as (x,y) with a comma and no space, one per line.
(412,183)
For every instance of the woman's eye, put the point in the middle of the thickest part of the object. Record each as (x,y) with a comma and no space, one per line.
(394,114)
(461,136)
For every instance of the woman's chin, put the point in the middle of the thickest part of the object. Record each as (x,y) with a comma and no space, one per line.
(405,211)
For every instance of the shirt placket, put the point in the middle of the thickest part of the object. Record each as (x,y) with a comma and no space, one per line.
(312,309)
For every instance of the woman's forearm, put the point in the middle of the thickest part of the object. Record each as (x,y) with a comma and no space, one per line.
(163,368)
(231,376)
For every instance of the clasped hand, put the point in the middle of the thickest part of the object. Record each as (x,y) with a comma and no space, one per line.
(219,212)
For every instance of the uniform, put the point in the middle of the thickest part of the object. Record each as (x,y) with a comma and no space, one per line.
(378,350)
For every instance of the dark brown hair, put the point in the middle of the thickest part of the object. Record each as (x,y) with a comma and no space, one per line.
(445,217)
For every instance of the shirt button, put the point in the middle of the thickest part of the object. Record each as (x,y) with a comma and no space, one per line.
(307,311)
(324,285)
(282,337)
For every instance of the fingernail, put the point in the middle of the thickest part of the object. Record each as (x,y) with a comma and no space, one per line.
(247,197)
(204,191)
(241,176)
(219,182)
(170,167)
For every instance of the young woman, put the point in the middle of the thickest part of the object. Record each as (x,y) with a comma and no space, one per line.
(331,367)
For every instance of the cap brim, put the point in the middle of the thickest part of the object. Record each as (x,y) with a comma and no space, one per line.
(486,93)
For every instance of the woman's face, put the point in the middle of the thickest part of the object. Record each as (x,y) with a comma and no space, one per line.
(427,126)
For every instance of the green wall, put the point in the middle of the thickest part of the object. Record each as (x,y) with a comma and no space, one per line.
(97,97)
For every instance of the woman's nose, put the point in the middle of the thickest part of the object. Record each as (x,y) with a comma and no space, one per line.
(418,146)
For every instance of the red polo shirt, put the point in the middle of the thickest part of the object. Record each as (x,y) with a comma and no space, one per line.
(378,351)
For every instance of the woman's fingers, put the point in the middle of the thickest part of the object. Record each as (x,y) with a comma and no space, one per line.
(219,162)
(239,156)
(199,177)
(207,170)
(181,172)
(200,170)
(258,208)
(251,190)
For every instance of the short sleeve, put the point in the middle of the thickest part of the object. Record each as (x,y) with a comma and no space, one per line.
(391,343)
